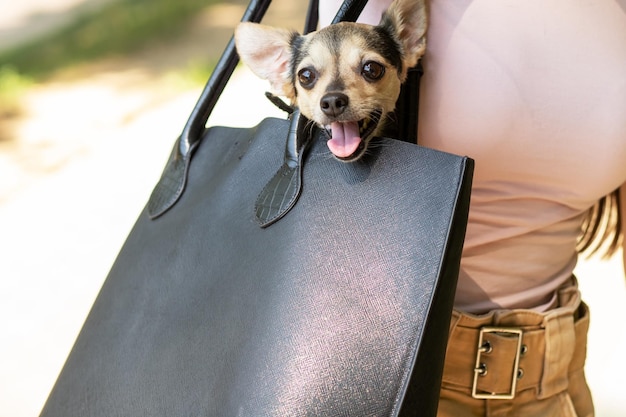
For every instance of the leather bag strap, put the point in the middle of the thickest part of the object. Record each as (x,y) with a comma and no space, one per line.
(214,87)
(349,11)
(407,106)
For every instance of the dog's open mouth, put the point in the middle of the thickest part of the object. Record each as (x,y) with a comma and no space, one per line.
(349,139)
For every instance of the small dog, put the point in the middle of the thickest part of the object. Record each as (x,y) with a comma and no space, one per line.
(345,77)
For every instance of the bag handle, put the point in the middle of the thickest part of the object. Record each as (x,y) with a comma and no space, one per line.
(225,67)
(174,178)
(407,106)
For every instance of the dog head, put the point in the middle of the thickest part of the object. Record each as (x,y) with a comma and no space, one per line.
(345,77)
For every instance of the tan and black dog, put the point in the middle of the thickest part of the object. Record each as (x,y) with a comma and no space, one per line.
(345,77)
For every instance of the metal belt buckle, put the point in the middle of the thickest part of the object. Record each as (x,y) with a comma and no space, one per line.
(480,368)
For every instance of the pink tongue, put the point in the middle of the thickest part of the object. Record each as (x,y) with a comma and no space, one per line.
(345,139)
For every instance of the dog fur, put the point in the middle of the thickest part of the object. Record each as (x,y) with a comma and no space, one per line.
(345,77)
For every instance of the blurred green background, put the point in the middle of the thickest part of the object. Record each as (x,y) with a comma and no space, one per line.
(119,27)
(115,28)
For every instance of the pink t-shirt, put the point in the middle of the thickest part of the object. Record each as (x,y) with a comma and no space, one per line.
(535,92)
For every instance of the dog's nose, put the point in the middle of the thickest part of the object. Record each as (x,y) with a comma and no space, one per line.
(333,104)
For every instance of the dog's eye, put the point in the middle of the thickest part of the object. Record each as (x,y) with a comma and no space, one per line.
(307,77)
(373,71)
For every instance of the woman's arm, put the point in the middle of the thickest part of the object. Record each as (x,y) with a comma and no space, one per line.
(371,13)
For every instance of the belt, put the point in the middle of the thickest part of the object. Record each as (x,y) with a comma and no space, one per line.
(496,361)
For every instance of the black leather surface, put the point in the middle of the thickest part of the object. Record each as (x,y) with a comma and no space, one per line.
(349,11)
(172,182)
(283,190)
(324,313)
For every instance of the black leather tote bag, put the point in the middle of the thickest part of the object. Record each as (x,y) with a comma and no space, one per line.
(265,278)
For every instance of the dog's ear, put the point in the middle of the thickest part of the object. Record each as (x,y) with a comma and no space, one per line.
(407,22)
(268,53)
